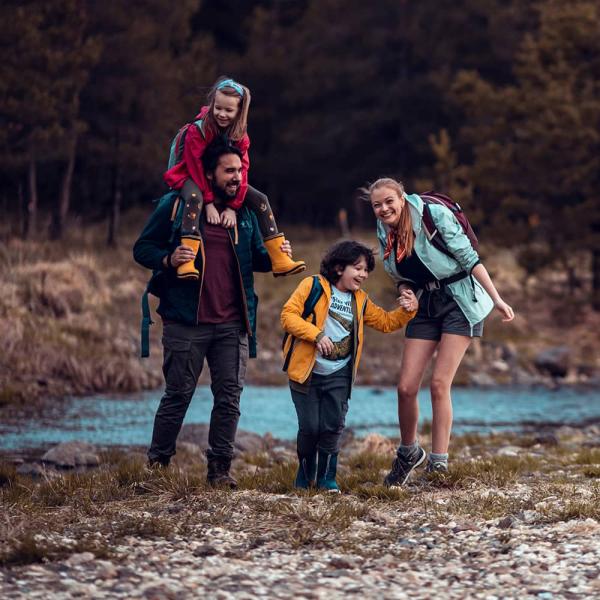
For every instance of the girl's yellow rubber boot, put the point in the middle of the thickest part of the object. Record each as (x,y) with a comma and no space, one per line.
(281,263)
(188,270)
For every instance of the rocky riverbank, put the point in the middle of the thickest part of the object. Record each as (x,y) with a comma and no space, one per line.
(517,517)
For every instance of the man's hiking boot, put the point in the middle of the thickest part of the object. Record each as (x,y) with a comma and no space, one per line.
(326,472)
(154,465)
(307,472)
(218,474)
(402,467)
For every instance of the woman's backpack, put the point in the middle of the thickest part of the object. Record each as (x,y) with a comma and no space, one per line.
(431,228)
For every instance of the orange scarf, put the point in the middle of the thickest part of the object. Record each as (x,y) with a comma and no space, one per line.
(392,241)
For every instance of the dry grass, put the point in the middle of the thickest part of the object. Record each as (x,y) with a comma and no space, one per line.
(51,518)
(71,322)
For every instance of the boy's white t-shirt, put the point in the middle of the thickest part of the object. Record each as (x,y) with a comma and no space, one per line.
(338,327)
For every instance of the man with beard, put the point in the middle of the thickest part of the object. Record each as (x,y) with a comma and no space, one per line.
(212,316)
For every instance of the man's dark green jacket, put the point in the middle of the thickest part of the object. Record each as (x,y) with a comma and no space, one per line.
(179,297)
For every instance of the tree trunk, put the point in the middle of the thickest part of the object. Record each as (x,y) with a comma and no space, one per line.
(64,200)
(115,207)
(32,201)
(596,279)
(22,208)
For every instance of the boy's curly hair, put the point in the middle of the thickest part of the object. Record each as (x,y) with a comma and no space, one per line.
(342,254)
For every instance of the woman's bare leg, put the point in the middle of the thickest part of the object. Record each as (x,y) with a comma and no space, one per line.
(416,356)
(451,350)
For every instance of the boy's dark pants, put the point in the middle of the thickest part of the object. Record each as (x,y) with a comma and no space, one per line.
(321,411)
(225,347)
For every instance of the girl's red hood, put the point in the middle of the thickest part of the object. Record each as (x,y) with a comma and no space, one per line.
(203,112)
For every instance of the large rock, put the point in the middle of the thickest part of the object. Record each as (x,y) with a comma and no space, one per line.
(555,361)
(481,379)
(245,441)
(72,454)
(375,443)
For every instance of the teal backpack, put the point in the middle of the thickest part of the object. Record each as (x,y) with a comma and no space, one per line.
(178,142)
(151,287)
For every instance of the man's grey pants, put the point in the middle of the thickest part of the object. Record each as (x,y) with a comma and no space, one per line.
(225,347)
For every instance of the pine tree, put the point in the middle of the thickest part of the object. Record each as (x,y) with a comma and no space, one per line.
(133,102)
(536,145)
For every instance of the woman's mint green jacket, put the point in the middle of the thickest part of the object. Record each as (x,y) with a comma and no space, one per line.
(472,299)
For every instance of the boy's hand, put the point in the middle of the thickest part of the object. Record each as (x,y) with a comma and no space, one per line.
(228,218)
(408,301)
(212,214)
(325,346)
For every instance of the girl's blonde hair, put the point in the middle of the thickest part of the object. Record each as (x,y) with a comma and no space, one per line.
(404,231)
(237,130)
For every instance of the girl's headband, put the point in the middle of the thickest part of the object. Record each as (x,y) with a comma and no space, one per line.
(232,84)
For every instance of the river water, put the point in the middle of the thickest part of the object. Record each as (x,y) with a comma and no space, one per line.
(128,420)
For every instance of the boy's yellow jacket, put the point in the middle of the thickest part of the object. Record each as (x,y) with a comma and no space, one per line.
(306,332)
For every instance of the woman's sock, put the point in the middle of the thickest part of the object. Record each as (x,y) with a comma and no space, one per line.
(408,450)
(438,458)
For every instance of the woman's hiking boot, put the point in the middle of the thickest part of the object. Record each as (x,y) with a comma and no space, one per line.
(307,472)
(217,474)
(403,466)
(281,263)
(326,472)
(437,467)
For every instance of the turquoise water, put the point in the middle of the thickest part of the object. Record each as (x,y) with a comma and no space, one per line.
(128,420)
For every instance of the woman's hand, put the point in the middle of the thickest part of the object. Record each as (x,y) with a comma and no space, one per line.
(181,255)
(408,301)
(325,346)
(212,214)
(286,248)
(505,310)
(228,218)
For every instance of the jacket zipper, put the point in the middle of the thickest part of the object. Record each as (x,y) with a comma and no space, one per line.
(355,340)
(201,281)
(244,299)
(314,359)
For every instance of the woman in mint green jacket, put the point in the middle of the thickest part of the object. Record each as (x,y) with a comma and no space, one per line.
(456,295)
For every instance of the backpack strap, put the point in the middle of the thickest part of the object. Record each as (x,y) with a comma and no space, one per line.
(201,125)
(316,291)
(145,327)
(176,219)
(432,232)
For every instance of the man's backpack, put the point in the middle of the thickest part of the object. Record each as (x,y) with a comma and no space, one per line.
(316,291)
(153,286)
(431,229)
(178,142)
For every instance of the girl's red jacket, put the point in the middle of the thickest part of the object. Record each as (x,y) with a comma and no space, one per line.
(191,163)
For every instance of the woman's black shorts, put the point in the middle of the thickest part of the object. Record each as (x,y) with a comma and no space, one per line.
(439,313)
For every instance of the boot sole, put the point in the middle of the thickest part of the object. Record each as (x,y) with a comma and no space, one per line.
(294,271)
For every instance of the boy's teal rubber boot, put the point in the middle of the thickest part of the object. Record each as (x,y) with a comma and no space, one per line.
(326,472)
(307,472)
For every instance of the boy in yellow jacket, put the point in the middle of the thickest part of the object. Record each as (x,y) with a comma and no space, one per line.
(323,350)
